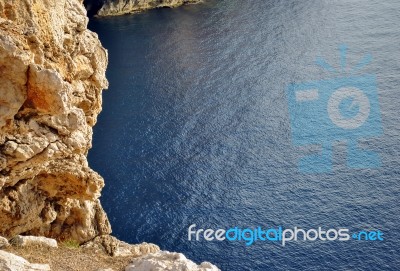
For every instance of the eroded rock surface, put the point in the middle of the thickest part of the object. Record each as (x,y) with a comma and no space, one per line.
(52,72)
(114,247)
(118,7)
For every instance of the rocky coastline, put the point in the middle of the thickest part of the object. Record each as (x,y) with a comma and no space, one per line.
(52,73)
(120,7)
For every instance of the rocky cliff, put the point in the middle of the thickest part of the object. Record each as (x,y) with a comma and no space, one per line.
(52,72)
(118,7)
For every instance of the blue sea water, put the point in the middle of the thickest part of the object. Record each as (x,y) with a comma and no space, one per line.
(196,129)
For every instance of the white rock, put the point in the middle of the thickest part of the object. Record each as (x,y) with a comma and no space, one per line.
(11,262)
(24,241)
(167,261)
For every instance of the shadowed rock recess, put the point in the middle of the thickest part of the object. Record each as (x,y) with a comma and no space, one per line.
(52,72)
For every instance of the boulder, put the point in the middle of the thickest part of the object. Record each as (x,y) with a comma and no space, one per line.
(114,247)
(24,241)
(11,262)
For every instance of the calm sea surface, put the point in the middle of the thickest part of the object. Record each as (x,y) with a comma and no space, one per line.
(195,129)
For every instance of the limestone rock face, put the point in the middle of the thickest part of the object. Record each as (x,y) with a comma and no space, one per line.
(52,72)
(168,261)
(118,7)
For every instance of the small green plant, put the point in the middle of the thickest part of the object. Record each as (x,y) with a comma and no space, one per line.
(70,244)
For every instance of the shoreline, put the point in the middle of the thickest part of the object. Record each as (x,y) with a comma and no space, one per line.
(111,9)
(53,75)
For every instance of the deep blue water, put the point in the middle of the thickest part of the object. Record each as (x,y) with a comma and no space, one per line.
(195,128)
